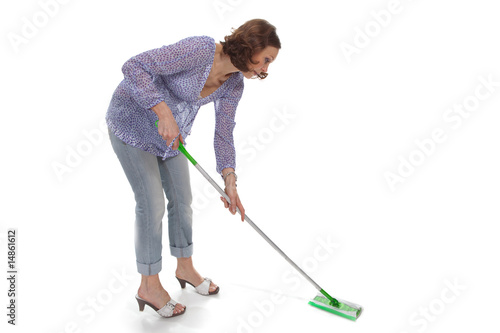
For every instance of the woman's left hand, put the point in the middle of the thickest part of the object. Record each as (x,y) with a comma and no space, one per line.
(232,193)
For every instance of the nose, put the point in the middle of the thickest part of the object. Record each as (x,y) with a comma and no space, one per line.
(264,69)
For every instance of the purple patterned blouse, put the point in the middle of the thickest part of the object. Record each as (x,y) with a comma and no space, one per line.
(175,74)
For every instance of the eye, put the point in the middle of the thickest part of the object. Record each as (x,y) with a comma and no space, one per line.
(266,60)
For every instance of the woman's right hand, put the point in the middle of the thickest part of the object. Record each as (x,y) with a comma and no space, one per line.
(167,127)
(169,130)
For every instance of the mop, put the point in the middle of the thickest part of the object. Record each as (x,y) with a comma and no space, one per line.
(323,300)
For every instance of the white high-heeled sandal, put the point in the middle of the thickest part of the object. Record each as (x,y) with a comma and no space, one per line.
(202,289)
(167,311)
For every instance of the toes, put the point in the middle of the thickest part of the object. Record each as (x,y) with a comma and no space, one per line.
(179,308)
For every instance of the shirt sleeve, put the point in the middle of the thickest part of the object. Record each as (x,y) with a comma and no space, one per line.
(225,111)
(143,73)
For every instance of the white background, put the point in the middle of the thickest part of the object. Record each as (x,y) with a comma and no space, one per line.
(316,177)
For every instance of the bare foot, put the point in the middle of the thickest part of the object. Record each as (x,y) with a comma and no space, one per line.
(185,271)
(152,291)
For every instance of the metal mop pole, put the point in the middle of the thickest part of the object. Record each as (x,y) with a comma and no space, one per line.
(249,221)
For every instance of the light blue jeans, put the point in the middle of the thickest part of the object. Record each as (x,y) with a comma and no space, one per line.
(151,178)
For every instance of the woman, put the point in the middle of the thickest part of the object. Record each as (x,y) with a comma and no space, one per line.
(168,85)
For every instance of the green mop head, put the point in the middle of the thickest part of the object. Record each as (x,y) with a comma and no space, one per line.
(337,306)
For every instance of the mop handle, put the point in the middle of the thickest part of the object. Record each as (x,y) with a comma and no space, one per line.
(249,221)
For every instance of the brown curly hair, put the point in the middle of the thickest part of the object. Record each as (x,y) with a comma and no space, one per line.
(250,38)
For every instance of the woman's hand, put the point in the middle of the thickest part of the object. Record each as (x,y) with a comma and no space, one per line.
(167,127)
(232,193)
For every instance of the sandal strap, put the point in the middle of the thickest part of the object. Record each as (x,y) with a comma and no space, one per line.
(204,287)
(168,309)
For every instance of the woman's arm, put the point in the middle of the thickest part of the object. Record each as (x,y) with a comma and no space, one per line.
(225,112)
(142,77)
(225,153)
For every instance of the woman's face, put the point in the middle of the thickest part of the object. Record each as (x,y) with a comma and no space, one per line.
(261,61)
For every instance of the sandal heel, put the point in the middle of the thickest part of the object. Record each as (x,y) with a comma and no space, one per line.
(203,288)
(182,282)
(141,304)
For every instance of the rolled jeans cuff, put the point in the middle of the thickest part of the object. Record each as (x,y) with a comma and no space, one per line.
(149,269)
(182,252)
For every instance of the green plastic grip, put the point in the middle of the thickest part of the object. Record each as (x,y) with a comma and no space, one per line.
(183,150)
